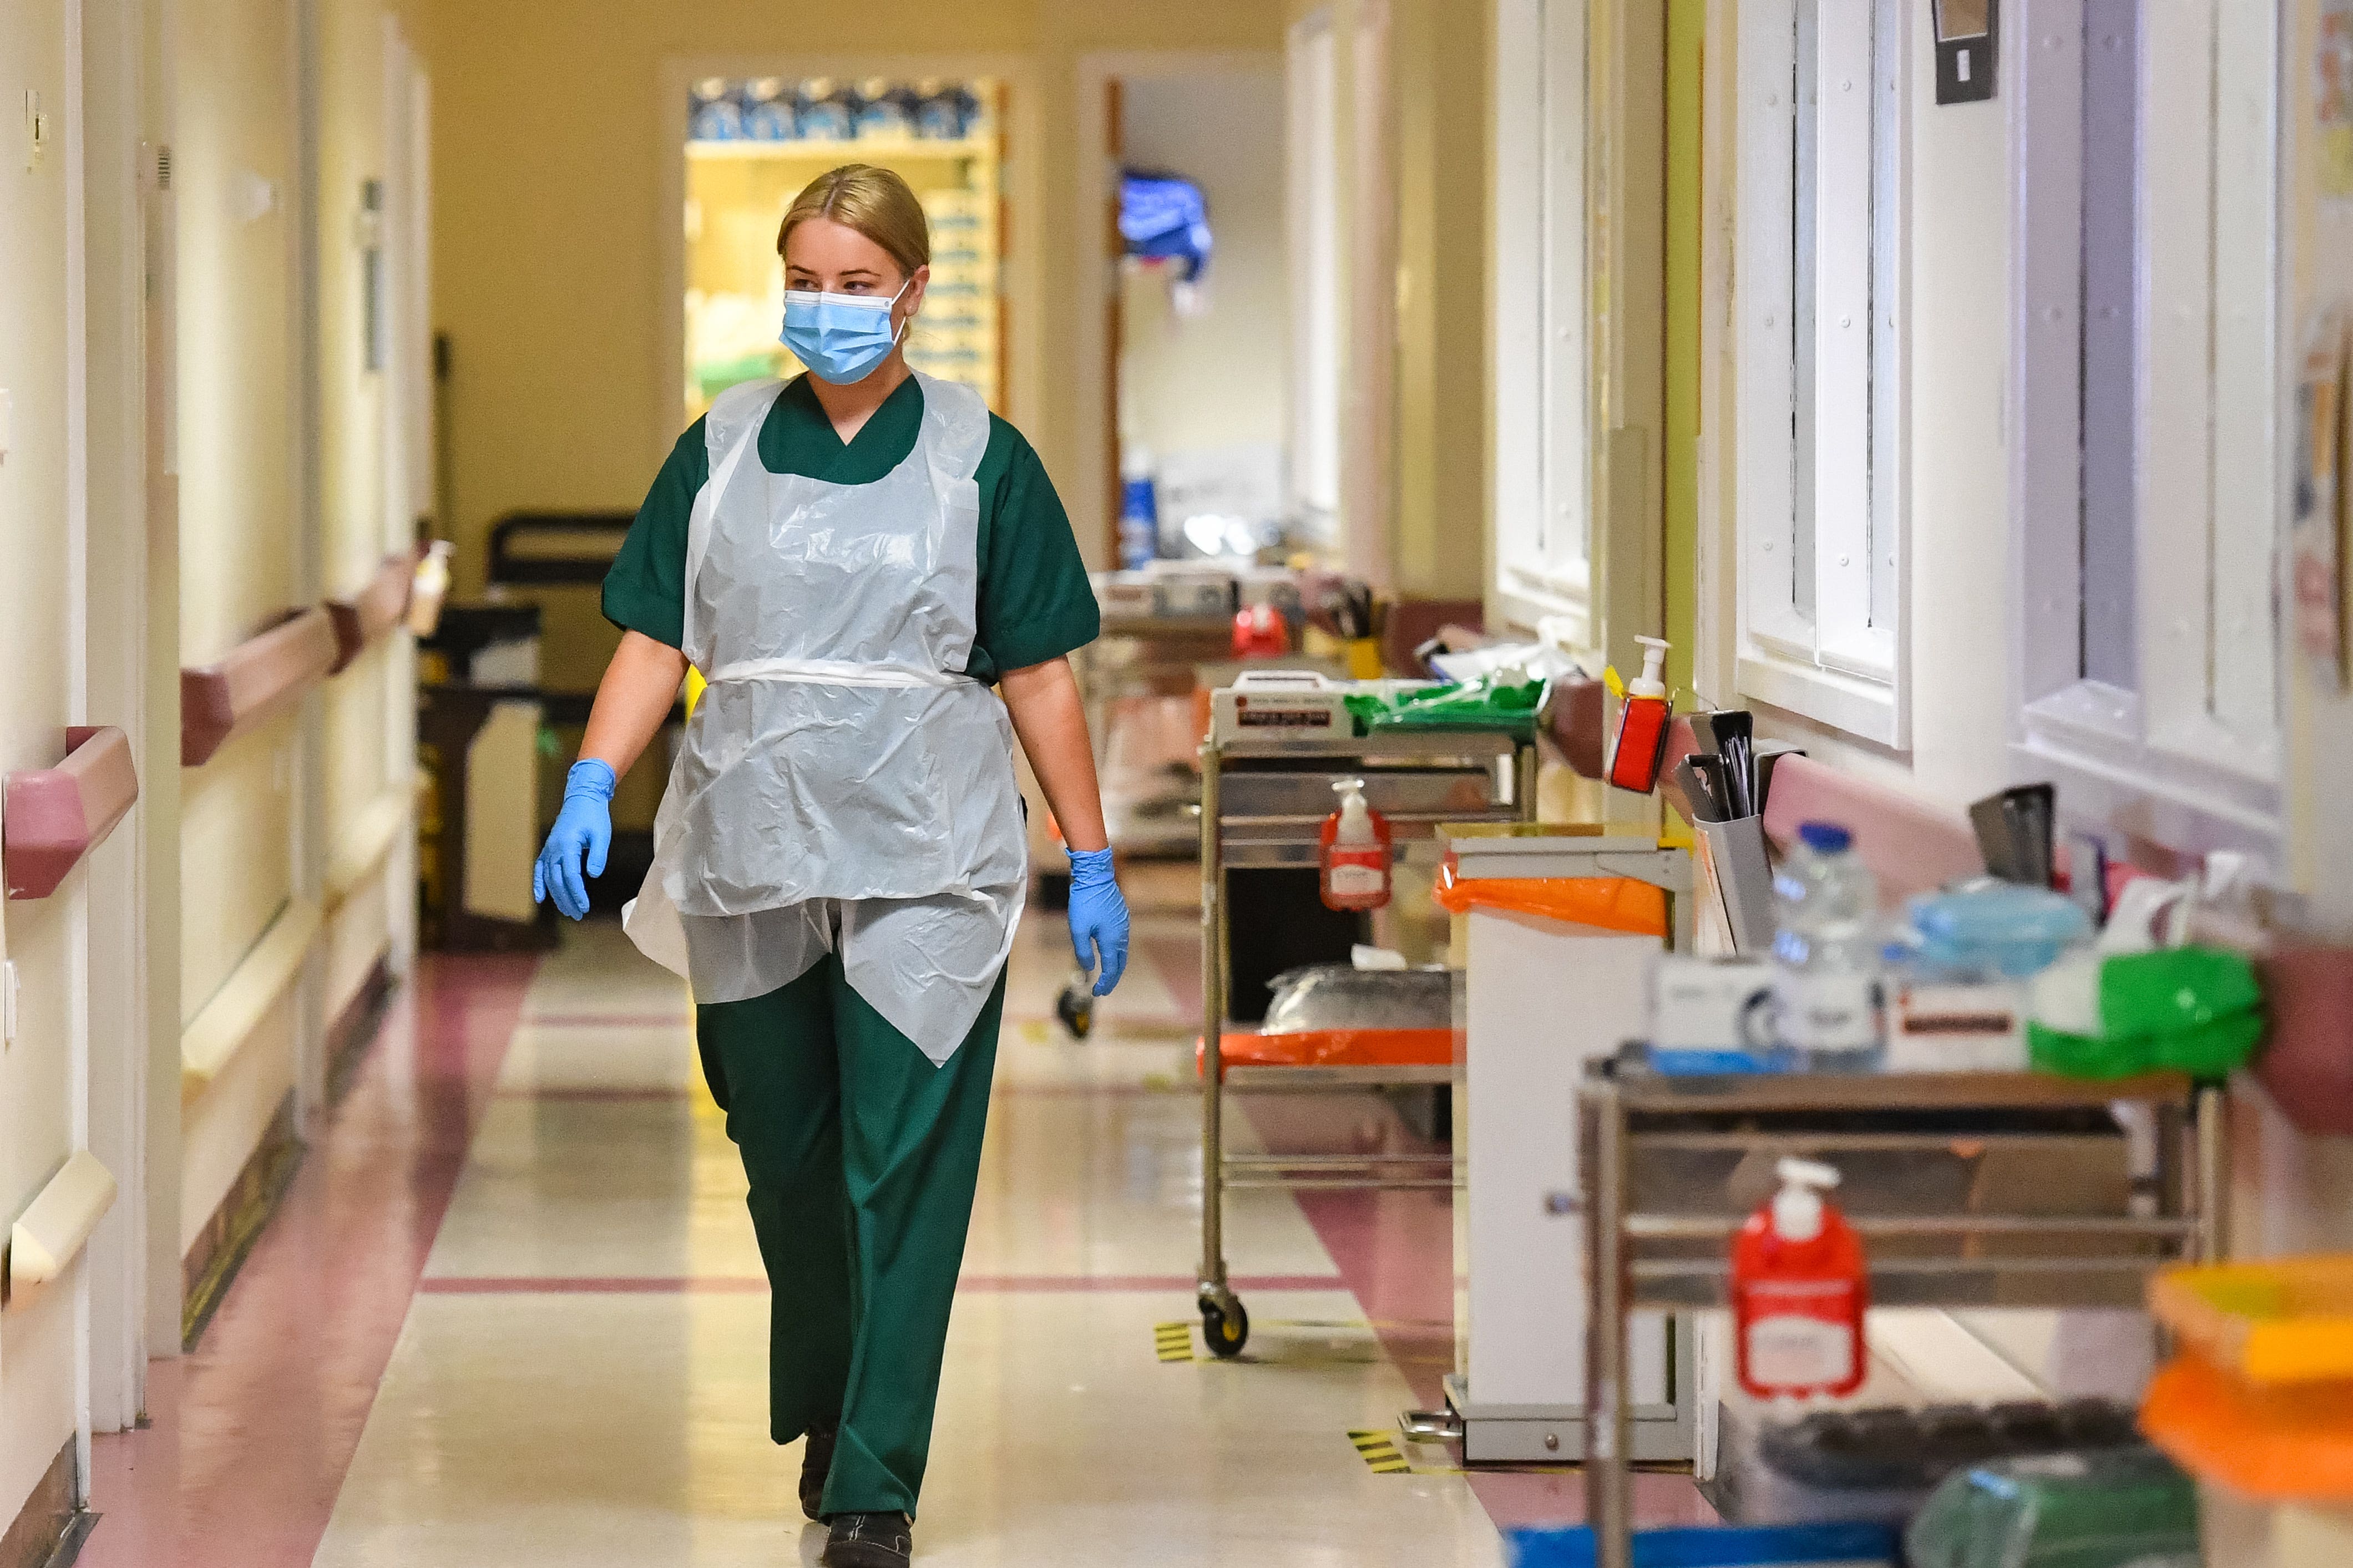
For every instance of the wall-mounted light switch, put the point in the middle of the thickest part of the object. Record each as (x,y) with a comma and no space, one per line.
(1968,35)
(36,129)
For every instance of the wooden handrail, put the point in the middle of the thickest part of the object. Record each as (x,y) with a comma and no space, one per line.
(56,815)
(253,681)
(376,607)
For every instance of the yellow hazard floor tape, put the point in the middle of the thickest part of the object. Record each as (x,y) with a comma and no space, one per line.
(1379,1451)
(1174,1342)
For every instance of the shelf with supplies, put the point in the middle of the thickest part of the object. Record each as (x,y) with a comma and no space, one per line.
(864,150)
(1971,1190)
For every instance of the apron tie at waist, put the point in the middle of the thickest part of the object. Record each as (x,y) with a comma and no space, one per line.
(838,672)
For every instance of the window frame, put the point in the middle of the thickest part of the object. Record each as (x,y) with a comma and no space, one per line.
(1847,665)
(1312,220)
(1542,341)
(2156,761)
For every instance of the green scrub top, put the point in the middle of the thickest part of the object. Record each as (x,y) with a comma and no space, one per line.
(1035,602)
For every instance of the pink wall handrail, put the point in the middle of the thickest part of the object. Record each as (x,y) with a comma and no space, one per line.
(56,817)
(253,681)
(1911,848)
(377,607)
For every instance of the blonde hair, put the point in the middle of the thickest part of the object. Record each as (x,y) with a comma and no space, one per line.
(875,202)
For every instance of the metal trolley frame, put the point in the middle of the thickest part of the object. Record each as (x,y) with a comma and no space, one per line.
(1264,804)
(1655,1151)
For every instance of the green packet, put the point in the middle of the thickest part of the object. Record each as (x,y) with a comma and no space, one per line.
(1495,703)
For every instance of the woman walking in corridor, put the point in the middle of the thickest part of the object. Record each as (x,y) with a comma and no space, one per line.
(851,560)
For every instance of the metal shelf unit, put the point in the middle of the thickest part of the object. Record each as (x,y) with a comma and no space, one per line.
(1264,804)
(1970,1190)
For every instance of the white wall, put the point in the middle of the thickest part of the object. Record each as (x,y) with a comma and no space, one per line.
(1961,593)
(1217,380)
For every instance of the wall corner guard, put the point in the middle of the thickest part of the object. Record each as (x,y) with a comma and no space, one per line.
(55,816)
(53,1229)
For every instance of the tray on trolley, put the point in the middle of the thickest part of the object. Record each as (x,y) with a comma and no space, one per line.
(1264,804)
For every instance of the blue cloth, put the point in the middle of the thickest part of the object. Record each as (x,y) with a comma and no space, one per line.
(582,831)
(1098,917)
(1160,214)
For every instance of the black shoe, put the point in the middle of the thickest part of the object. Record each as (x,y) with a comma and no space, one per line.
(816,1459)
(869,1541)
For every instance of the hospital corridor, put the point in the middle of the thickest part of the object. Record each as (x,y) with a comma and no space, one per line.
(1069,783)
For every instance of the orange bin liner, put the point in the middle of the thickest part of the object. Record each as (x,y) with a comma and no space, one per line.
(2288,1444)
(1337,1047)
(1607,903)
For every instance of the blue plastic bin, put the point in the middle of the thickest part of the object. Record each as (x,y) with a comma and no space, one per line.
(1718,1546)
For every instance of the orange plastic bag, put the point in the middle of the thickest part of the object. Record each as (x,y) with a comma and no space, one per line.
(1336,1047)
(2292,1443)
(1607,903)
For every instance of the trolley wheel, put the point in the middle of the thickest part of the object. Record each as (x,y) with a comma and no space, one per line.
(1076,1008)
(1225,1327)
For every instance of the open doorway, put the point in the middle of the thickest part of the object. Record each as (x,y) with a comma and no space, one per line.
(1196,417)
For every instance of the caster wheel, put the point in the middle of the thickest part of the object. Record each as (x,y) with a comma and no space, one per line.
(1227,1329)
(1076,1008)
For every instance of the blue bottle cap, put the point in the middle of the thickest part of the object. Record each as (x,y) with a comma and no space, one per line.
(1826,837)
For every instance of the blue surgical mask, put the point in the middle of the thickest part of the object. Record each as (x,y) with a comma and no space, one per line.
(840,337)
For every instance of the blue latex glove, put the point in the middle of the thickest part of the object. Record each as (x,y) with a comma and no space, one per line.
(583,830)
(1098,917)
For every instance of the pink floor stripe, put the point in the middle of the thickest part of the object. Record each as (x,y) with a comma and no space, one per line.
(970,1284)
(252,1433)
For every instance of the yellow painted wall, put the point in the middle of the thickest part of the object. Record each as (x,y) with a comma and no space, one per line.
(36,1358)
(548,168)
(240,552)
(1440,71)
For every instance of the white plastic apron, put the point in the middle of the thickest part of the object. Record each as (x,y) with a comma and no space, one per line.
(840,784)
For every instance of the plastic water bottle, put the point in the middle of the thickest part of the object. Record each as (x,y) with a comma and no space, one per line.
(1826,952)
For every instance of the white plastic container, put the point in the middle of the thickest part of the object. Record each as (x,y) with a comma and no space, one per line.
(1826,952)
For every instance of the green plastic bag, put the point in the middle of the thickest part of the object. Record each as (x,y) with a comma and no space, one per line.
(1505,701)
(2115,1508)
(2184,1009)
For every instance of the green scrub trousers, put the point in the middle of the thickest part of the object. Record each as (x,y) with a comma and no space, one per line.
(863,1158)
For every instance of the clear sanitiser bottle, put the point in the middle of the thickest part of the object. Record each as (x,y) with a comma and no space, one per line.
(1826,952)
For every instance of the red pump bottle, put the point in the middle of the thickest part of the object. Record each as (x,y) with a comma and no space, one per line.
(1355,852)
(1799,1292)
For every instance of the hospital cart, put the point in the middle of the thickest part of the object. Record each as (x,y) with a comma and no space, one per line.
(1970,1191)
(1264,798)
(1142,653)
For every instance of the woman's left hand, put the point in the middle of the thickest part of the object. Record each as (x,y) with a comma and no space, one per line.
(1098,917)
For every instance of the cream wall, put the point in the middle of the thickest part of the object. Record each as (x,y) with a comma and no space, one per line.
(548,165)
(1431,462)
(38,1072)
(2291,1191)
(241,552)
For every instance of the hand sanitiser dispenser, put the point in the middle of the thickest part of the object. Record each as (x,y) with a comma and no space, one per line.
(1355,852)
(1798,1291)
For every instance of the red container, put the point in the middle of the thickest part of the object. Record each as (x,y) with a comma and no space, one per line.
(1797,1303)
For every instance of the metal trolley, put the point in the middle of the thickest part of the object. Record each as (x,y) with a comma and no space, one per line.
(1264,804)
(1971,1190)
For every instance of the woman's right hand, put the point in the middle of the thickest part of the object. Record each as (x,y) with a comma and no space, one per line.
(582,835)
